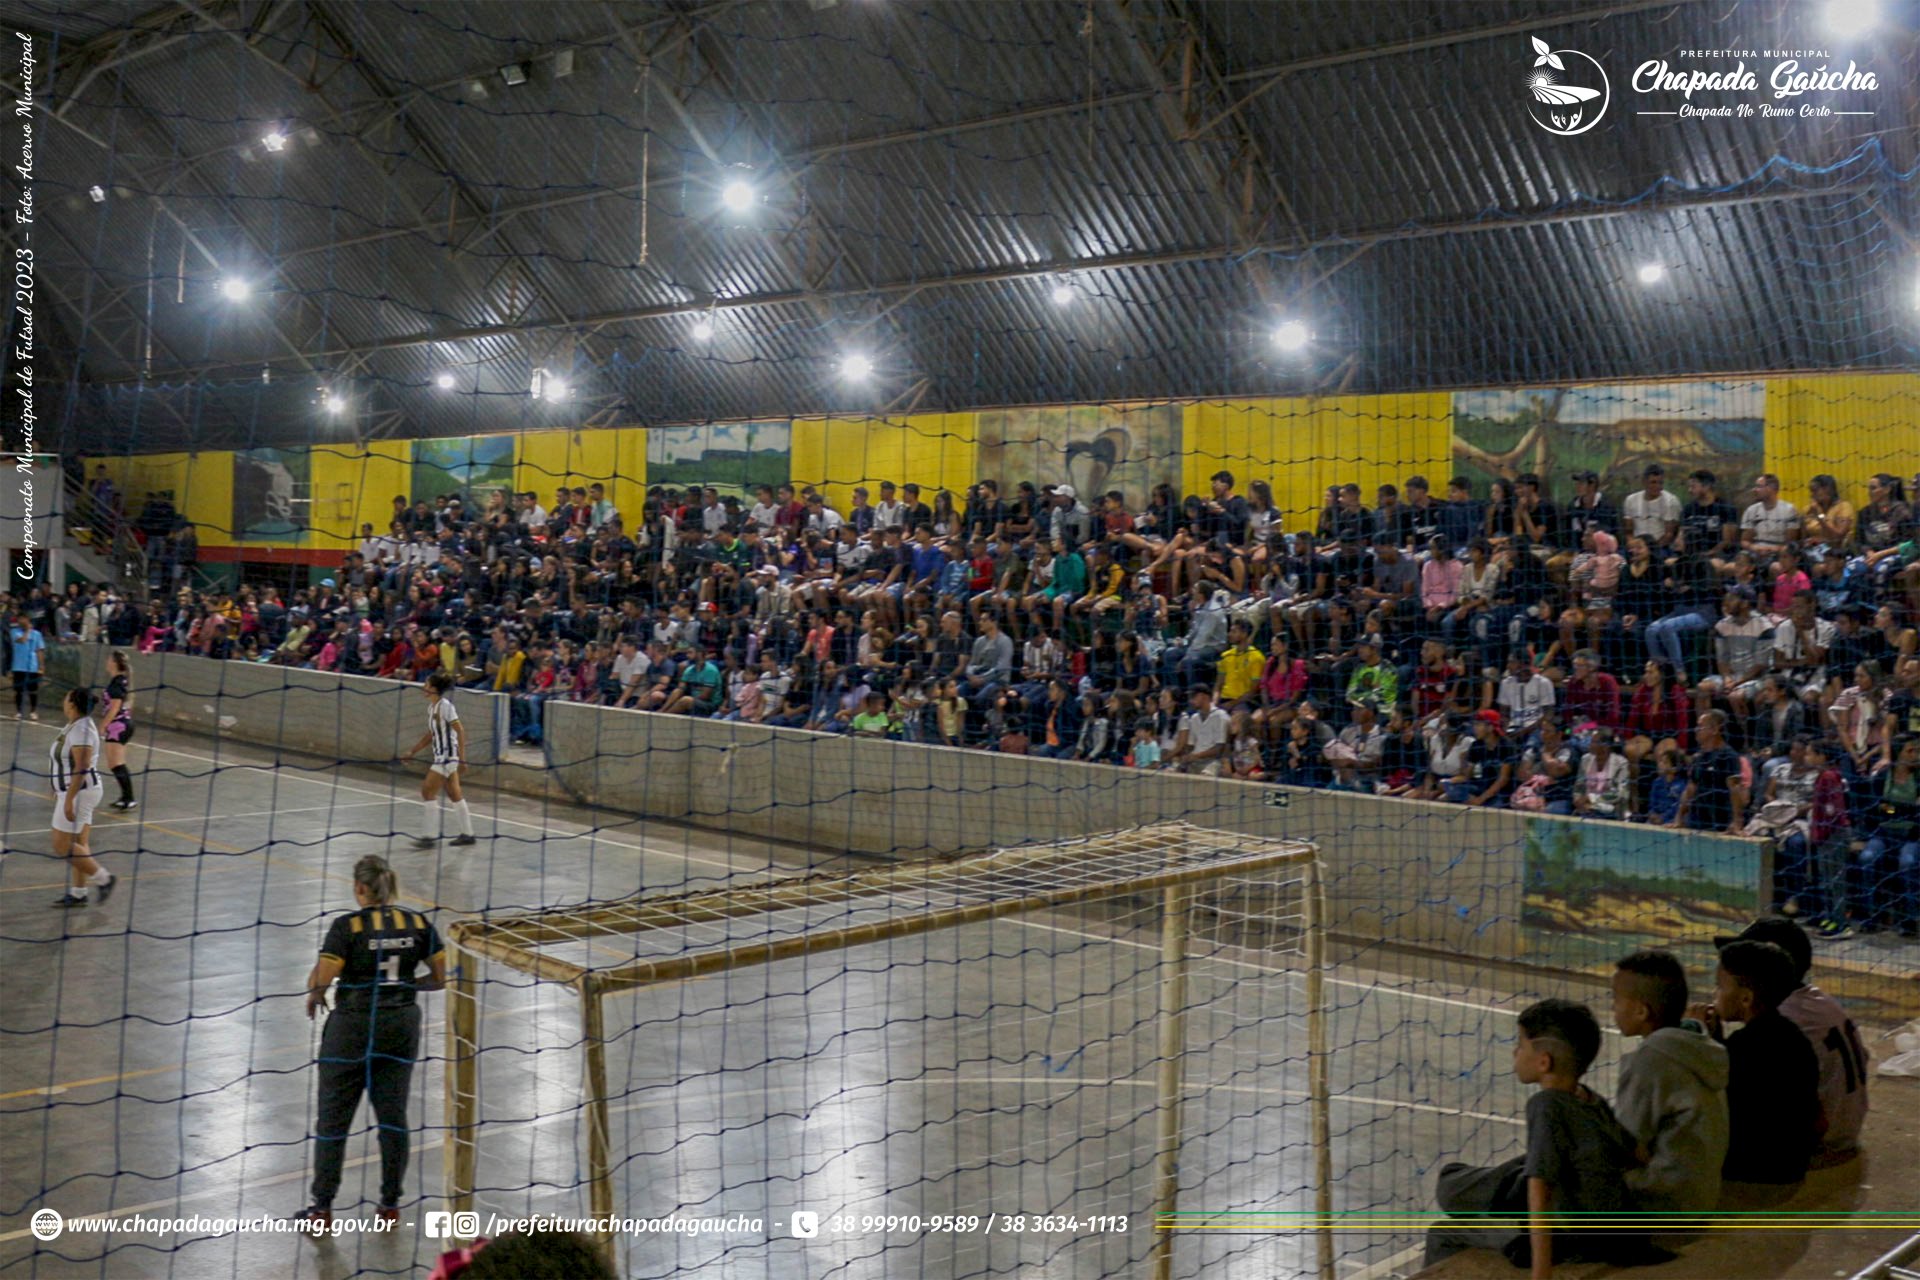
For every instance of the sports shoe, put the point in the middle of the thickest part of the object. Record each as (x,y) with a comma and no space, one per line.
(33,715)
(101,892)
(124,805)
(68,901)
(425,842)
(1833,930)
(465,840)
(314,1220)
(387,1215)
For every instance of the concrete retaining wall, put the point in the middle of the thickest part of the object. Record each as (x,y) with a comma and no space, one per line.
(335,717)
(1436,876)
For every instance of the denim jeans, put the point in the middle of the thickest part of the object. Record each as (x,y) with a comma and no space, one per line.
(1663,636)
(1892,893)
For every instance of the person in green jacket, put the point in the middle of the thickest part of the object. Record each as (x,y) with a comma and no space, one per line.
(1069,584)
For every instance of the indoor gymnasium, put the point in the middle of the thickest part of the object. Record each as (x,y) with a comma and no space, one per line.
(882,639)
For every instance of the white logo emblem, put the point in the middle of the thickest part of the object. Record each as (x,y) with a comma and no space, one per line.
(47,1225)
(805,1224)
(1563,98)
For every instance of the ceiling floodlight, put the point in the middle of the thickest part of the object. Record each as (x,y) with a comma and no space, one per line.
(738,195)
(702,329)
(335,405)
(444,382)
(1651,273)
(514,73)
(97,194)
(1062,292)
(1292,335)
(274,141)
(234,289)
(856,368)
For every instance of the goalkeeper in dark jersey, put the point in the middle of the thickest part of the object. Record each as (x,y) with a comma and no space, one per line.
(372,1035)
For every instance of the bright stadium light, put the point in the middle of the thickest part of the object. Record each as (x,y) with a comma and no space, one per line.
(1651,273)
(234,289)
(335,405)
(737,195)
(1292,336)
(856,368)
(274,141)
(444,382)
(1062,292)
(1850,18)
(702,329)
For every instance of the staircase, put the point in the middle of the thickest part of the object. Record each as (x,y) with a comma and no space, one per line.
(100,543)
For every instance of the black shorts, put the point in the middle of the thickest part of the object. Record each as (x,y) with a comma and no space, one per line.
(119,731)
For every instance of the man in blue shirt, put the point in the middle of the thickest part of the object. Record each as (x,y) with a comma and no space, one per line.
(29,647)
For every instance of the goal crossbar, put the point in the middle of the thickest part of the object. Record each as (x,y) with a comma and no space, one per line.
(918,897)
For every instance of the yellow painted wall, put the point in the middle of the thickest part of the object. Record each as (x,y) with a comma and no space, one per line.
(615,457)
(933,450)
(1848,426)
(201,484)
(352,487)
(1301,445)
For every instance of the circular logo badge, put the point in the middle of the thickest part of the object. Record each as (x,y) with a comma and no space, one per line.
(47,1225)
(1567,91)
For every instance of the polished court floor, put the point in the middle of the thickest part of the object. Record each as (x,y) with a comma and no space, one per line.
(154,1059)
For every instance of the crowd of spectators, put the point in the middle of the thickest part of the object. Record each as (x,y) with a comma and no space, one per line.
(1739,667)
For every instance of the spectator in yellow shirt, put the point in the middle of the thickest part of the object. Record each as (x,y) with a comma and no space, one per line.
(1238,668)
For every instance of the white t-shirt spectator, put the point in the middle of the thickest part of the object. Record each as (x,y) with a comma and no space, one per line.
(762,516)
(1651,517)
(1770,528)
(533,517)
(628,670)
(1790,647)
(1204,733)
(827,520)
(889,515)
(713,518)
(1523,702)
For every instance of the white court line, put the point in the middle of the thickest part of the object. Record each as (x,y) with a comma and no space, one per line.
(400,797)
(120,822)
(574,1117)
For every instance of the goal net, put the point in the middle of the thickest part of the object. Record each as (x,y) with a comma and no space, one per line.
(968,1065)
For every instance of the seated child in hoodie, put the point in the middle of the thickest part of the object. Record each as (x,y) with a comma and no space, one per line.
(1673,1090)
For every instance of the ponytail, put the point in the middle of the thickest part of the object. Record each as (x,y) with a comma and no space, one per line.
(379,879)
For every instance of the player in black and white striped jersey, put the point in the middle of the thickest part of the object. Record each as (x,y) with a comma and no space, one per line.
(448,738)
(75,779)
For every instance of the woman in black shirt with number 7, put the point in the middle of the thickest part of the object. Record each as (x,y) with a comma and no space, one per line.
(373,1033)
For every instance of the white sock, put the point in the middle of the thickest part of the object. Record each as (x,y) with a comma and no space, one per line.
(466,817)
(99,877)
(76,891)
(430,818)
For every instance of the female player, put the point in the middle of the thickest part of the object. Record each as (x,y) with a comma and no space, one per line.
(449,739)
(75,777)
(119,727)
(372,1035)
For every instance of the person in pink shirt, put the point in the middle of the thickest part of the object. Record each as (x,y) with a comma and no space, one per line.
(1791,580)
(1439,581)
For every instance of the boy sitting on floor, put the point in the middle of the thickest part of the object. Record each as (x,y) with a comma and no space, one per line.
(1673,1089)
(1773,1101)
(1576,1160)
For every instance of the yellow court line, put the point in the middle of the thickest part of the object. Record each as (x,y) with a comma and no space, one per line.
(50,1089)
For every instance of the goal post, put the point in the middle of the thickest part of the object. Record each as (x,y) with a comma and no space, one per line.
(1181,869)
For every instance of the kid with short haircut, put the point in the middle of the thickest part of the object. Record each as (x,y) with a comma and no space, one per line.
(1673,1089)
(1576,1159)
(1773,1101)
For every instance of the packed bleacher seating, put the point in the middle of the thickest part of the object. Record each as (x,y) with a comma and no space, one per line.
(1739,667)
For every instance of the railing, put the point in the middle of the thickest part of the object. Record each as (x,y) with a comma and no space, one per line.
(107,533)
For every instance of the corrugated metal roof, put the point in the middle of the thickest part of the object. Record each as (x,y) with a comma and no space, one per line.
(1453,243)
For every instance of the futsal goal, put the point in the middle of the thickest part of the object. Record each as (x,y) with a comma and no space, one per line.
(1076,1037)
